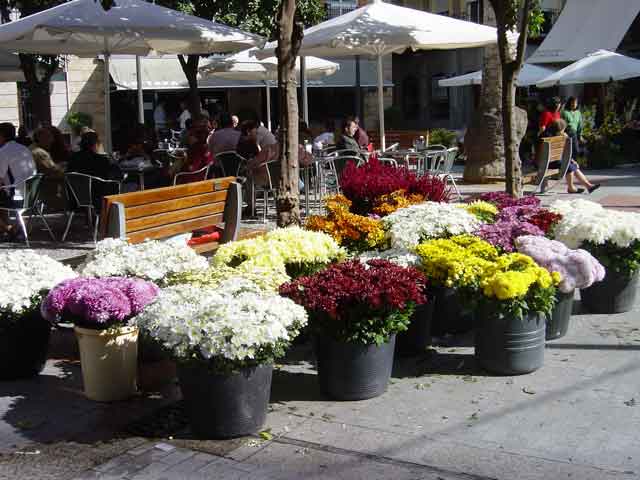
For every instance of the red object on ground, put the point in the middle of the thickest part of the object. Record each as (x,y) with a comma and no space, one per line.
(205,235)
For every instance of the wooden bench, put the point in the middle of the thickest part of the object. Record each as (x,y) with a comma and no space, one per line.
(164,212)
(550,150)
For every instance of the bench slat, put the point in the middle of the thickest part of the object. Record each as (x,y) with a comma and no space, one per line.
(176,204)
(143,197)
(175,228)
(169,218)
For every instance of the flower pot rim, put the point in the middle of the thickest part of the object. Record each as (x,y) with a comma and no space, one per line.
(107,332)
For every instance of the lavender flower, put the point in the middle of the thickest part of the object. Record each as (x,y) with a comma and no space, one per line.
(578,268)
(98,302)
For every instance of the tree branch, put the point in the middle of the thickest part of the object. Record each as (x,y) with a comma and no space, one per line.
(524,33)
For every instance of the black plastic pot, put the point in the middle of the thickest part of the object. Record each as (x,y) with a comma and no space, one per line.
(615,294)
(225,406)
(417,337)
(24,344)
(350,371)
(448,314)
(509,345)
(558,321)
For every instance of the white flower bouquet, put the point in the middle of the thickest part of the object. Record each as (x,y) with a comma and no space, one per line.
(578,268)
(300,251)
(409,226)
(25,279)
(612,236)
(151,260)
(229,327)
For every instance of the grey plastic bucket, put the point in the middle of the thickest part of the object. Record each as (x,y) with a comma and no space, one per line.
(615,294)
(558,321)
(417,337)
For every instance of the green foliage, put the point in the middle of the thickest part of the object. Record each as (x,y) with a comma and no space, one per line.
(603,143)
(442,136)
(77,120)
(624,261)
(538,300)
(536,20)
(363,327)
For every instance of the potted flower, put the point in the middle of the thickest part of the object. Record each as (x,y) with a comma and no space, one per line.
(611,236)
(453,266)
(578,269)
(299,251)
(355,311)
(101,309)
(150,260)
(417,337)
(25,278)
(224,341)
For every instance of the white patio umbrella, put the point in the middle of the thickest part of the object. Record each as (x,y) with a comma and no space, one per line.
(380,28)
(245,66)
(10,70)
(529,75)
(84,28)
(601,66)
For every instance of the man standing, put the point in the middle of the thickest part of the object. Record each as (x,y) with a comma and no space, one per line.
(160,118)
(16,165)
(184,115)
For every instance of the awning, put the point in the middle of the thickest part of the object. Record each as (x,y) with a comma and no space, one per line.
(165,73)
(585,26)
(529,75)
(10,68)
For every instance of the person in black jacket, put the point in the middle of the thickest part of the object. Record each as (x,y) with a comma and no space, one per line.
(346,140)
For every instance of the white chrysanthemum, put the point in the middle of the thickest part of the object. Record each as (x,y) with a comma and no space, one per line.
(150,260)
(400,256)
(25,276)
(407,227)
(232,321)
(585,221)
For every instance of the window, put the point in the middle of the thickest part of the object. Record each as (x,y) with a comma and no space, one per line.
(335,8)
(473,11)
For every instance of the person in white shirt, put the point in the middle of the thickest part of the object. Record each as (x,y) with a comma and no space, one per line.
(184,116)
(160,117)
(16,165)
(327,137)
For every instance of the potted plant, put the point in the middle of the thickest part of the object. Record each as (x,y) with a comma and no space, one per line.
(514,296)
(101,309)
(453,266)
(355,311)
(578,269)
(417,337)
(611,236)
(299,251)
(25,278)
(224,340)
(150,260)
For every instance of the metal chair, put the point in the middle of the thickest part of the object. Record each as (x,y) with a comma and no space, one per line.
(84,194)
(188,177)
(30,204)
(231,163)
(444,165)
(272,170)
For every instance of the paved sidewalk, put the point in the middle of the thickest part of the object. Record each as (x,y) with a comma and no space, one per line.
(578,417)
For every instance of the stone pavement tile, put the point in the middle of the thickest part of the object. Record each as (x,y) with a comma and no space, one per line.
(188,467)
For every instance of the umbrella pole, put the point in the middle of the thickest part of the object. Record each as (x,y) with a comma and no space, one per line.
(303,85)
(381,103)
(268,99)
(140,96)
(107,104)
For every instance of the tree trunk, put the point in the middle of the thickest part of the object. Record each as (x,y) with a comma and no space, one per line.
(484,141)
(513,165)
(39,88)
(190,69)
(289,39)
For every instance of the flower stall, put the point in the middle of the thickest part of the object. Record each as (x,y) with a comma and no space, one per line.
(25,278)
(355,311)
(611,236)
(101,309)
(224,340)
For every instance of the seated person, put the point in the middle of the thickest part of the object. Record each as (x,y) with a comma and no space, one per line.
(557,128)
(225,138)
(198,155)
(327,137)
(248,143)
(264,136)
(347,140)
(40,150)
(361,135)
(88,161)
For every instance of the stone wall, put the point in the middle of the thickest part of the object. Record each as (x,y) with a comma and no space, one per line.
(9,111)
(86,91)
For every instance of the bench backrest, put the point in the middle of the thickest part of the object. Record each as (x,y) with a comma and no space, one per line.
(552,149)
(165,212)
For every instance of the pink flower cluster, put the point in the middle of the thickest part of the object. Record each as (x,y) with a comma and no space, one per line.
(503,233)
(98,302)
(503,200)
(578,268)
